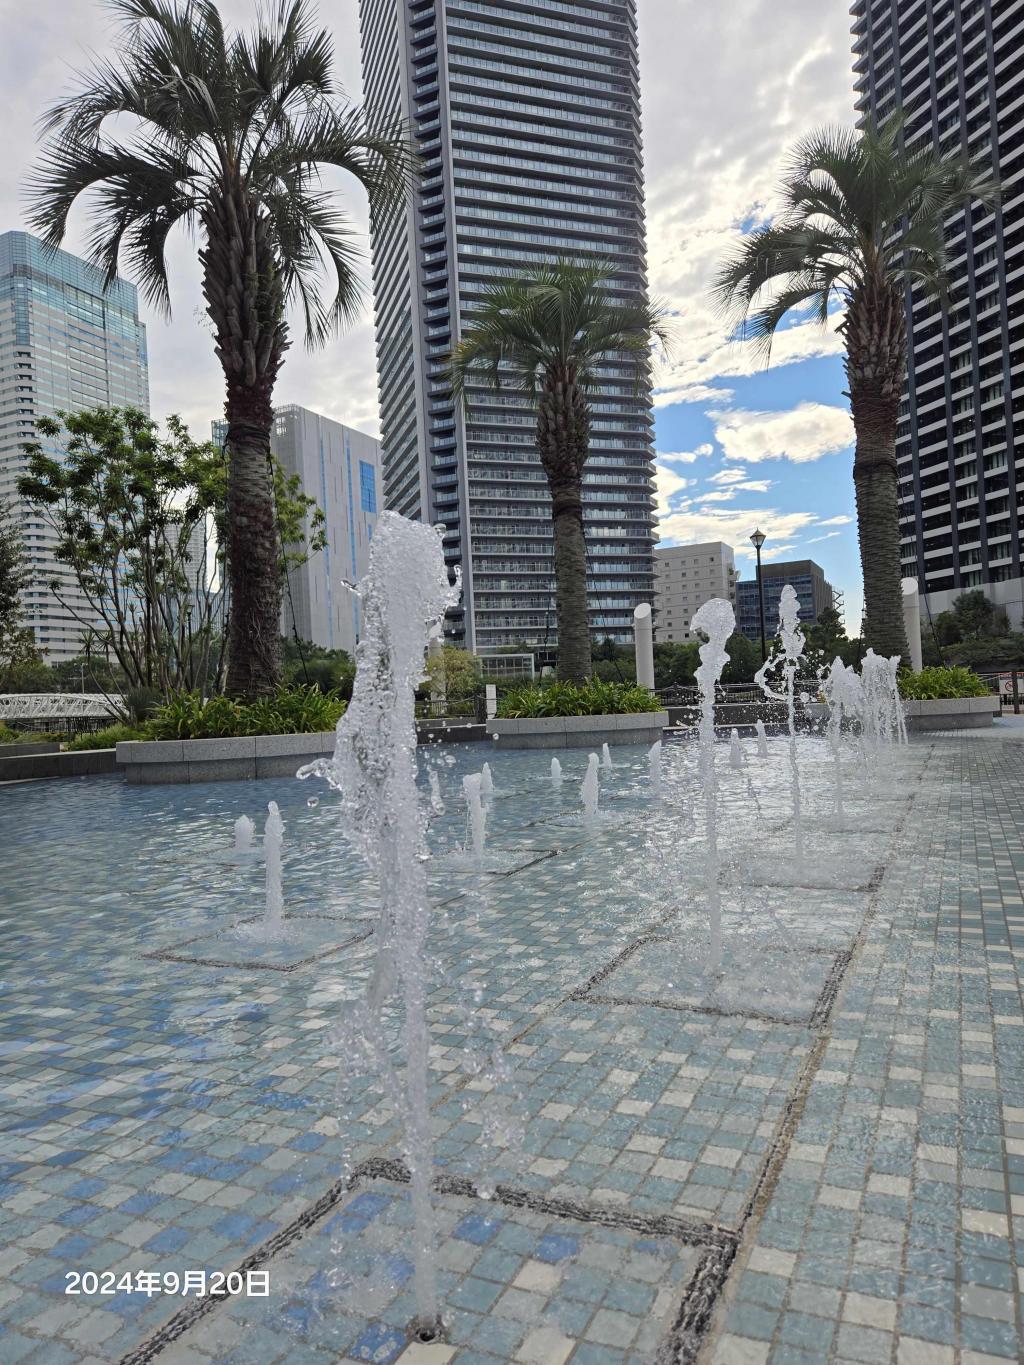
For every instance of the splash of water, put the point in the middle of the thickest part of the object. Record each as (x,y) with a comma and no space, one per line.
(486,781)
(273,837)
(844,694)
(606,758)
(736,759)
(654,769)
(436,802)
(762,739)
(882,721)
(792,639)
(405,592)
(556,773)
(472,786)
(589,790)
(716,620)
(244,831)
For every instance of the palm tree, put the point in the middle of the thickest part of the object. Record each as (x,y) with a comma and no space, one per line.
(226,136)
(544,335)
(862,223)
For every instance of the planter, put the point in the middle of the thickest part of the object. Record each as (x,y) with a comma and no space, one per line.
(28,746)
(578,732)
(951,713)
(157,761)
(80,763)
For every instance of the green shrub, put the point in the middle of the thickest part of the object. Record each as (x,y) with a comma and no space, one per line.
(290,711)
(595,698)
(294,711)
(7,735)
(105,739)
(931,684)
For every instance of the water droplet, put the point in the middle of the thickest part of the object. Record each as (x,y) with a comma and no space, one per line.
(313,802)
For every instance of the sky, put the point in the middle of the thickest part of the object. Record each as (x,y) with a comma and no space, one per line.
(726,90)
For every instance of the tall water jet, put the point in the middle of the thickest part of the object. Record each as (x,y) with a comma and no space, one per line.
(436,801)
(716,620)
(882,721)
(792,640)
(244,831)
(556,773)
(405,592)
(762,739)
(589,790)
(472,786)
(844,695)
(736,759)
(606,758)
(486,781)
(654,769)
(273,837)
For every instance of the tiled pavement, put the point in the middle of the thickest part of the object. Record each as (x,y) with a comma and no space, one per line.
(763,1173)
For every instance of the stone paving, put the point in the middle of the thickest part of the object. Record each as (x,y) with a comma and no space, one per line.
(820,1159)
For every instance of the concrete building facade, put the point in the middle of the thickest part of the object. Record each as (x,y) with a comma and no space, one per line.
(527,117)
(340,468)
(808,580)
(66,343)
(955,71)
(685,577)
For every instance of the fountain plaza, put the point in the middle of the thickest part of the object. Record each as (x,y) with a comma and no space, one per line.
(817,1158)
(709,1052)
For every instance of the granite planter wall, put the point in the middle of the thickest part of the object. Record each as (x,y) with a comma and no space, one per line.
(577,732)
(148,762)
(951,713)
(80,763)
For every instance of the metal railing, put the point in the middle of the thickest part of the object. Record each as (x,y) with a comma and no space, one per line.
(1008,685)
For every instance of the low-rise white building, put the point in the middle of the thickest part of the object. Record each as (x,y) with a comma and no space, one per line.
(685,577)
(340,468)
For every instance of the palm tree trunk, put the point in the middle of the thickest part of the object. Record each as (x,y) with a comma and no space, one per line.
(875,368)
(245,299)
(563,439)
(253,550)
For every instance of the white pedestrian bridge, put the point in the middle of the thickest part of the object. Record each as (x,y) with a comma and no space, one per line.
(59,706)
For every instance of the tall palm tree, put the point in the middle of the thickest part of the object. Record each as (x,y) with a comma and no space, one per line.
(226,135)
(862,223)
(544,335)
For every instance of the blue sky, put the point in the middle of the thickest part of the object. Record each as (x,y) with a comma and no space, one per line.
(726,90)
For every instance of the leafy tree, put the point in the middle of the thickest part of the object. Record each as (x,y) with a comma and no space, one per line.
(744,659)
(332,670)
(545,335)
(226,135)
(454,674)
(862,222)
(946,628)
(675,663)
(17,646)
(974,615)
(826,639)
(139,521)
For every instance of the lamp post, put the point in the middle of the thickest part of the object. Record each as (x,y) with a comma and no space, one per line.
(757,540)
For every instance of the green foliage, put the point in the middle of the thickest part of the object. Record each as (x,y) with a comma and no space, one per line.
(934,683)
(974,615)
(454,674)
(593,698)
(304,663)
(675,663)
(744,659)
(107,738)
(290,711)
(7,735)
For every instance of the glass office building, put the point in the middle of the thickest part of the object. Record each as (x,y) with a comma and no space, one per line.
(807,579)
(527,116)
(955,70)
(66,343)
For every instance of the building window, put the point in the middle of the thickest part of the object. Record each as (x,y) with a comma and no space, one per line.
(367,488)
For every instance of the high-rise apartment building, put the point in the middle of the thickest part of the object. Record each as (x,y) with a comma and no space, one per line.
(66,343)
(955,71)
(685,577)
(340,468)
(527,116)
(814,593)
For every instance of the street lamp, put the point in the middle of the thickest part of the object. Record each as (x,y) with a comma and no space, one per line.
(757,540)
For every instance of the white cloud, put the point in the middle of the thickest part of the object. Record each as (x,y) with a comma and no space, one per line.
(693,523)
(835,521)
(684,456)
(719,495)
(800,434)
(829,536)
(667,484)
